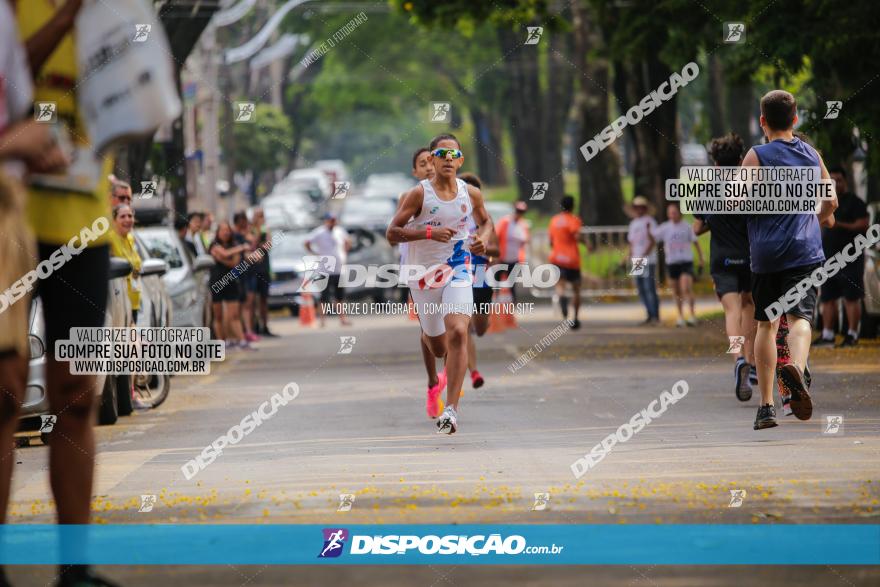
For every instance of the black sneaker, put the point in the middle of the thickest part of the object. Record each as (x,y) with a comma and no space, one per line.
(766,417)
(741,377)
(848,340)
(801,403)
(268,334)
(753,375)
(822,341)
(576,324)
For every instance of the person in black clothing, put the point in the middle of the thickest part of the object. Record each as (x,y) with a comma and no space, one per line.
(729,266)
(226,286)
(261,272)
(243,235)
(851,219)
(180,227)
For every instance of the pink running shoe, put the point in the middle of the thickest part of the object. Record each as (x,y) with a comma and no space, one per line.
(251,337)
(433,404)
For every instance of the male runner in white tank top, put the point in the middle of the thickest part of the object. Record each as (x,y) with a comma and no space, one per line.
(439,249)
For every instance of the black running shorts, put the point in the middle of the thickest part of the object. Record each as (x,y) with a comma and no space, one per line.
(732,280)
(75,294)
(848,283)
(676,270)
(768,288)
(482,300)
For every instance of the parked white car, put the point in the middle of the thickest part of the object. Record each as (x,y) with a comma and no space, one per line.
(311,181)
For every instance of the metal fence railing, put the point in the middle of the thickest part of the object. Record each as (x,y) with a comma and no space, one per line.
(604,270)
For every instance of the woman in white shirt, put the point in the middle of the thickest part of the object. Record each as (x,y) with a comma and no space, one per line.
(678,240)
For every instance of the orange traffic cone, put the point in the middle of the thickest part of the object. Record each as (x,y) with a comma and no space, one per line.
(496,321)
(505,299)
(307,310)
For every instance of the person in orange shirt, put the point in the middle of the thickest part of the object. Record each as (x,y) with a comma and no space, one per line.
(564,230)
(513,233)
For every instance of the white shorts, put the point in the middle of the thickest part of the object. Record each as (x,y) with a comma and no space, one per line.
(434,304)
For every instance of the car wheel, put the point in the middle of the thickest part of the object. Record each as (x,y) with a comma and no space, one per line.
(123,395)
(206,311)
(108,412)
(156,392)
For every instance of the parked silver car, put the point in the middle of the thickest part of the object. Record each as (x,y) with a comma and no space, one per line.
(186,279)
(113,391)
(156,311)
(287,265)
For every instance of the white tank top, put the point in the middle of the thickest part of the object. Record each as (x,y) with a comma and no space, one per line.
(439,213)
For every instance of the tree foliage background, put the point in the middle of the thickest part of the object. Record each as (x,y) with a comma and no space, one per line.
(522,111)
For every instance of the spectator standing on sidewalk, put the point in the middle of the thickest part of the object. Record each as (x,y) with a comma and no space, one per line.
(642,245)
(332,242)
(122,245)
(851,219)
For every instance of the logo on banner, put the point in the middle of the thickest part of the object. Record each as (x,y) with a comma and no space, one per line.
(318,270)
(334,541)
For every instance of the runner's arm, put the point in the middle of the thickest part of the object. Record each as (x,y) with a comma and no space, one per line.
(44,42)
(827,207)
(700,227)
(409,208)
(225,256)
(485,228)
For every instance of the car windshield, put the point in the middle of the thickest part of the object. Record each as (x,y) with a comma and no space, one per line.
(290,244)
(369,208)
(162,246)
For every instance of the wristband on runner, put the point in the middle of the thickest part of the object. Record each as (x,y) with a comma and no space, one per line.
(428,232)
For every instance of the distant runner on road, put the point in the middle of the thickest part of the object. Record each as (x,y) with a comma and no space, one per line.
(729,265)
(564,230)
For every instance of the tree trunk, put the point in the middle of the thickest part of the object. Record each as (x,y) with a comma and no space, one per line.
(740,105)
(521,64)
(717,117)
(556,106)
(601,196)
(657,155)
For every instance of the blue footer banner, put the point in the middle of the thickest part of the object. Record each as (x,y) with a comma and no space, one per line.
(413,544)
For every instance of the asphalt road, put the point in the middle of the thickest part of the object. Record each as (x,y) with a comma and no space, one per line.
(359,427)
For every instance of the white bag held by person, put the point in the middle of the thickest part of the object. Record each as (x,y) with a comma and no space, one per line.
(127,86)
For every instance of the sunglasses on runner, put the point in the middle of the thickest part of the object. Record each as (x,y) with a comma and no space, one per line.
(456,153)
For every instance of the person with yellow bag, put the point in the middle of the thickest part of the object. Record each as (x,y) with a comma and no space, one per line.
(59,208)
